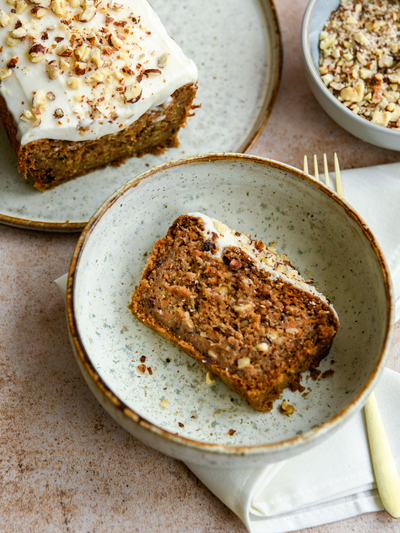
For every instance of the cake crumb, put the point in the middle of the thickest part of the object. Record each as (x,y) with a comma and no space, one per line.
(231,432)
(327,373)
(164,403)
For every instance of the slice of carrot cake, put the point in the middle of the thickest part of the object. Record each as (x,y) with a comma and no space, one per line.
(84,83)
(235,306)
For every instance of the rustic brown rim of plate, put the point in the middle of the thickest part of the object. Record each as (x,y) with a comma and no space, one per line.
(266,110)
(300,440)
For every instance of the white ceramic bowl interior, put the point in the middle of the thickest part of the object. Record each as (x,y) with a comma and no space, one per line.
(320,233)
(317,13)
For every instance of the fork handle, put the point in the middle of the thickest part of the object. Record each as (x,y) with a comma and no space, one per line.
(385,470)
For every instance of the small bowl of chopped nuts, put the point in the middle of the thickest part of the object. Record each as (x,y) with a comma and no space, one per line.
(351,52)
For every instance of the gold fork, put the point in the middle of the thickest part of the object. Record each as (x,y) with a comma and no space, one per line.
(386,476)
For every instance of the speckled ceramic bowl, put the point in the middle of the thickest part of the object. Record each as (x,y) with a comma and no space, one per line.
(317,13)
(322,235)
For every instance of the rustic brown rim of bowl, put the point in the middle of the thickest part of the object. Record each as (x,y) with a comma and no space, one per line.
(262,119)
(298,441)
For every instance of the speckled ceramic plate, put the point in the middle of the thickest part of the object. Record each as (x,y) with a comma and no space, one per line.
(236,47)
(324,238)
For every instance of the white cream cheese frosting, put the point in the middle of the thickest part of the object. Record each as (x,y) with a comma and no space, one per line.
(80,69)
(266,259)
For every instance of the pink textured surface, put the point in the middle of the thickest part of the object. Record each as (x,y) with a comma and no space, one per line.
(65,464)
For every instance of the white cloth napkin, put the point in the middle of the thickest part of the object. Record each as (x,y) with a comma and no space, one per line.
(334,480)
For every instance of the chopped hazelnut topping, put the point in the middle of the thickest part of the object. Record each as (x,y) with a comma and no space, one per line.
(88,12)
(19,33)
(36,52)
(63,50)
(58,7)
(26,115)
(21,6)
(359,58)
(52,70)
(39,12)
(13,62)
(80,68)
(115,41)
(50,96)
(162,60)
(4,19)
(5,73)
(133,93)
(96,57)
(74,83)
(58,113)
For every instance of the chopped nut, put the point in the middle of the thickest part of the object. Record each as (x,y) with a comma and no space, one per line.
(13,62)
(133,93)
(19,33)
(359,49)
(21,6)
(88,12)
(39,100)
(58,113)
(52,70)
(64,65)
(4,19)
(39,12)
(5,73)
(26,115)
(80,68)
(231,432)
(162,60)
(50,96)
(263,346)
(115,41)
(128,71)
(210,378)
(381,119)
(152,71)
(286,408)
(96,57)
(74,83)
(36,52)
(58,7)
(64,50)
(243,309)
(243,362)
(97,77)
(164,403)
(82,53)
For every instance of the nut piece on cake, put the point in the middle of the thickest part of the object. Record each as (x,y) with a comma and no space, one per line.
(235,306)
(122,87)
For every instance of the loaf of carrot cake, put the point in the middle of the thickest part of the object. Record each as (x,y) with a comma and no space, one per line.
(235,306)
(84,83)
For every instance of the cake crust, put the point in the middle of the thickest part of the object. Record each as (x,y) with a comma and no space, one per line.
(254,330)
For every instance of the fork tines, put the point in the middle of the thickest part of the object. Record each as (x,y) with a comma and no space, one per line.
(339,187)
